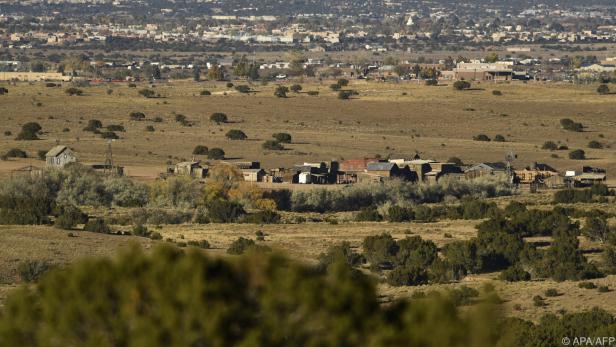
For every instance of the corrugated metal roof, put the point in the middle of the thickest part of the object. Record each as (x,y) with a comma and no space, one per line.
(55,151)
(380,166)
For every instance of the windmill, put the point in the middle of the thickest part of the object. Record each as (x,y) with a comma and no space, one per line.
(109,159)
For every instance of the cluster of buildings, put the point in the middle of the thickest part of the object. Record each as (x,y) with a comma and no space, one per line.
(412,170)
(361,170)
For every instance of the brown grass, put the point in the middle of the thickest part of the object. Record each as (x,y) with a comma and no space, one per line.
(431,120)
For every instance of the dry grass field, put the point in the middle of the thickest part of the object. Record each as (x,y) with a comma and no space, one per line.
(395,120)
(388,119)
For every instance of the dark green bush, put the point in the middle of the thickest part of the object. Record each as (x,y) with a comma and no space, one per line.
(137,116)
(219,117)
(223,211)
(147,93)
(141,230)
(481,137)
(201,244)
(98,226)
(549,145)
(263,217)
(577,154)
(236,134)
(282,137)
(216,154)
(69,216)
(32,270)
(499,138)
(551,292)
(93,125)
(461,85)
(272,145)
(73,91)
(400,214)
(515,274)
(115,127)
(595,144)
(16,153)
(109,135)
(340,253)
(281,91)
(200,150)
(570,125)
(240,246)
(368,214)
(587,285)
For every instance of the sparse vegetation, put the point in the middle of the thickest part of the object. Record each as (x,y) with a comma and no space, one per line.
(282,137)
(236,134)
(216,153)
(461,85)
(219,117)
(577,154)
(272,145)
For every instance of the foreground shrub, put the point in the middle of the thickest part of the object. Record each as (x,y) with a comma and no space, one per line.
(184,297)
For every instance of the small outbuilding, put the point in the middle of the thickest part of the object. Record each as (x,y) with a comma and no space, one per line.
(59,156)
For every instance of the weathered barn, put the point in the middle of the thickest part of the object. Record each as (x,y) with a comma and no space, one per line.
(59,156)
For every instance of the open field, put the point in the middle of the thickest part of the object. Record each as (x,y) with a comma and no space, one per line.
(305,242)
(387,119)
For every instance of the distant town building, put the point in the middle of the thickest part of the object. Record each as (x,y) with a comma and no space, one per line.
(477,71)
(33,76)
